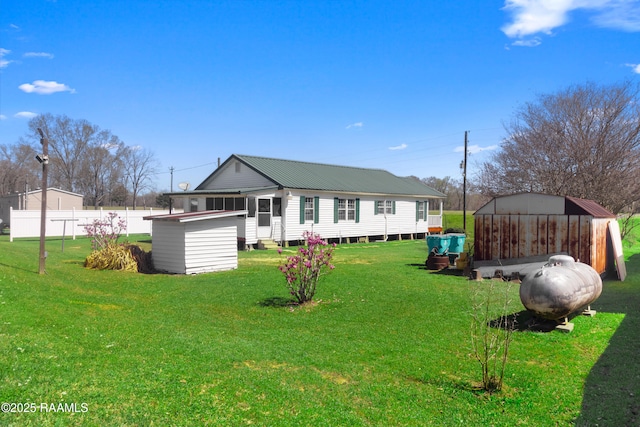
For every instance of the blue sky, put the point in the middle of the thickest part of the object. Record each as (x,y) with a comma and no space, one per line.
(381,84)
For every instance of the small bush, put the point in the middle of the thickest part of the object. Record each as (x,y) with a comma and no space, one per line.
(490,339)
(112,257)
(303,270)
(123,257)
(104,232)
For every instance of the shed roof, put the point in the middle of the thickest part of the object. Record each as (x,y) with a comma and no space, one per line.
(194,216)
(575,206)
(325,177)
(536,203)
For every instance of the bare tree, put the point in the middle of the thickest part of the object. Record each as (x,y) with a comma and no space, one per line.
(68,142)
(139,166)
(18,169)
(583,141)
(100,172)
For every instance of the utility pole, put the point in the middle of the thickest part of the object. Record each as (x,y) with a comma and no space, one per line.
(44,159)
(171,169)
(464,184)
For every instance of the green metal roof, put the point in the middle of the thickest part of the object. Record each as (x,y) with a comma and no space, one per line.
(324,177)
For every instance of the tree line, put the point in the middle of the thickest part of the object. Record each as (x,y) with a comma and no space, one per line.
(83,158)
(582,141)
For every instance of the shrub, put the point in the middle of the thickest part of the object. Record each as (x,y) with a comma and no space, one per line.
(490,339)
(112,257)
(303,270)
(103,232)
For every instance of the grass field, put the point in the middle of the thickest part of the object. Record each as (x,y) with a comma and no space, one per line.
(387,343)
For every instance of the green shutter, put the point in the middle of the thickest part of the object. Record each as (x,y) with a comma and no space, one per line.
(426,210)
(393,207)
(375,207)
(316,209)
(335,210)
(357,210)
(417,211)
(303,200)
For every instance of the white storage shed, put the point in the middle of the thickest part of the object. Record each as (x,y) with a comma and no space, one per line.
(196,242)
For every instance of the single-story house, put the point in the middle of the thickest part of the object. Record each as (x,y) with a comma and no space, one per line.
(57,199)
(196,242)
(284,198)
(527,225)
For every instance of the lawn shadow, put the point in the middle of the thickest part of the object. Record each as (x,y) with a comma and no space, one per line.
(612,389)
(418,266)
(19,268)
(277,302)
(525,321)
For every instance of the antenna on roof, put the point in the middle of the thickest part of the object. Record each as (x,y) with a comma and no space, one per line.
(184,186)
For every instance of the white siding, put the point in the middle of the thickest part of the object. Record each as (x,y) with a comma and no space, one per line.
(211,245)
(370,224)
(229,178)
(168,249)
(195,247)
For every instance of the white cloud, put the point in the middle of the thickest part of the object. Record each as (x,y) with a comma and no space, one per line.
(42,87)
(355,125)
(3,62)
(474,149)
(25,115)
(528,43)
(38,55)
(622,15)
(109,146)
(3,117)
(399,147)
(634,67)
(530,17)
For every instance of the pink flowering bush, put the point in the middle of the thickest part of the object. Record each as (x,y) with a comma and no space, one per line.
(104,232)
(303,270)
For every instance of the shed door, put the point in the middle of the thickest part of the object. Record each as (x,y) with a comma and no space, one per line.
(264,218)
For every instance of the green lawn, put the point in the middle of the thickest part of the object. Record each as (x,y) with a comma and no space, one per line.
(386,344)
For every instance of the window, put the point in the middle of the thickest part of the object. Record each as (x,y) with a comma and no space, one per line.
(308,209)
(346,209)
(264,212)
(387,207)
(421,208)
(277,206)
(225,203)
(251,207)
(193,203)
(238,170)
(240,203)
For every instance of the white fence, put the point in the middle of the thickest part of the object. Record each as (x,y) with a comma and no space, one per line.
(71,223)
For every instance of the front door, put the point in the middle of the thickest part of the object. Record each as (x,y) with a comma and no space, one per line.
(264,218)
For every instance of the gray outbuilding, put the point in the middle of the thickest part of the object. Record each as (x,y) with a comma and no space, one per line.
(196,242)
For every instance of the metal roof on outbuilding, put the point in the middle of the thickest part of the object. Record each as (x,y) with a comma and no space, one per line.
(575,206)
(194,216)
